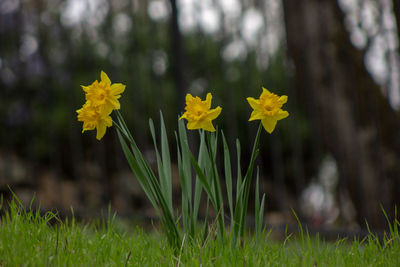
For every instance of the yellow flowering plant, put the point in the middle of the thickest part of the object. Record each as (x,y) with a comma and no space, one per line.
(199,113)
(102,98)
(268,109)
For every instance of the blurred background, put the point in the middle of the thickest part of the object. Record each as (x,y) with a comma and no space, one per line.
(335,160)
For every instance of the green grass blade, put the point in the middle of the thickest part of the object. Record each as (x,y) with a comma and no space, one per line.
(205,225)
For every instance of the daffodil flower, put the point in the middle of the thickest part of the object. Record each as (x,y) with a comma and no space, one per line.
(268,109)
(199,113)
(92,118)
(101,99)
(103,94)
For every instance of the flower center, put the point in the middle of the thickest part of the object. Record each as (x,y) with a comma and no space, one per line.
(196,110)
(271,104)
(101,96)
(198,113)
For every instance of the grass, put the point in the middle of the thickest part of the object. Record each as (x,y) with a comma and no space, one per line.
(28,238)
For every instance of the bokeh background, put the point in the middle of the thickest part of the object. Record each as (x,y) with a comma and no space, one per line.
(335,160)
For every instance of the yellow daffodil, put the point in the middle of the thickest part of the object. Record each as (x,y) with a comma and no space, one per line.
(198,113)
(268,109)
(92,118)
(103,94)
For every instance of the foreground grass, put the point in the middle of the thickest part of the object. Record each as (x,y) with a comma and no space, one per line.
(29,239)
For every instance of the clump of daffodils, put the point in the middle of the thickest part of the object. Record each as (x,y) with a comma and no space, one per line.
(101,99)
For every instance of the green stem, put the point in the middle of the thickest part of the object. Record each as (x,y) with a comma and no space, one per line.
(247,180)
(169,223)
(217,189)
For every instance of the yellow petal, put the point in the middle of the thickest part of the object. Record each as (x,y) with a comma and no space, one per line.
(281,115)
(207,125)
(269,124)
(88,127)
(117,88)
(104,78)
(193,125)
(85,88)
(101,130)
(208,100)
(214,113)
(115,104)
(106,109)
(189,97)
(108,121)
(183,116)
(254,103)
(256,115)
(283,99)
(265,91)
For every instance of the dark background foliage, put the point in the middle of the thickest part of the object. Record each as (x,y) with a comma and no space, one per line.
(335,160)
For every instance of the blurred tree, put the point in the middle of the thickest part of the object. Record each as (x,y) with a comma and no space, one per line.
(353,120)
(177,57)
(160,49)
(396,9)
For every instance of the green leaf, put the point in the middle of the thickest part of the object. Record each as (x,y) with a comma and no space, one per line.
(161,174)
(228,176)
(185,197)
(203,179)
(166,160)
(247,180)
(185,171)
(186,162)
(150,181)
(239,170)
(137,171)
(215,183)
(257,205)
(163,163)
(261,212)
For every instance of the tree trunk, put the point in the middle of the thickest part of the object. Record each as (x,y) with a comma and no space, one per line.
(396,9)
(357,124)
(178,56)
